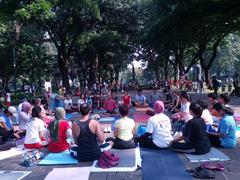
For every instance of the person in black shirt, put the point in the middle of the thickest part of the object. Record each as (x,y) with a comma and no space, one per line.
(194,134)
(168,98)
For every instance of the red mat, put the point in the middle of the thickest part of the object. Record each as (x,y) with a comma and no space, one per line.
(141,117)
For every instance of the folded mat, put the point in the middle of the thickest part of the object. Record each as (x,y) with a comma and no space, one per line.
(162,164)
(129,160)
(16,175)
(213,155)
(63,158)
(141,117)
(73,173)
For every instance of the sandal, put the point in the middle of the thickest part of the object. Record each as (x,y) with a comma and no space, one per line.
(203,174)
(213,167)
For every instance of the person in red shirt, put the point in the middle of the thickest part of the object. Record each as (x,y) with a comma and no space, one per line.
(59,132)
(126,99)
(110,104)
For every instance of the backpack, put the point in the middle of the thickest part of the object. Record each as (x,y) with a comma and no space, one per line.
(108,160)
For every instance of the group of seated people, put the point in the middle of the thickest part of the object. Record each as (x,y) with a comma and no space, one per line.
(85,138)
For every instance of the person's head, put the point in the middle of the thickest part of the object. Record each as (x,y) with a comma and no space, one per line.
(139,92)
(89,93)
(84,109)
(212,97)
(59,113)
(109,95)
(220,110)
(195,109)
(67,97)
(82,96)
(158,107)
(36,112)
(203,104)
(36,102)
(125,92)
(184,97)
(123,110)
(165,91)
(224,98)
(154,91)
(26,106)
(11,111)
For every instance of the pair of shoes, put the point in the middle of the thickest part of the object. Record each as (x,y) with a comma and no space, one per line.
(201,173)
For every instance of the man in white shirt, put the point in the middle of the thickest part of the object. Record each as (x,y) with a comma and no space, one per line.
(140,100)
(159,128)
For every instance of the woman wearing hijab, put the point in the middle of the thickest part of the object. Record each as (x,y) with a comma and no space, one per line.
(159,128)
(59,132)
(24,116)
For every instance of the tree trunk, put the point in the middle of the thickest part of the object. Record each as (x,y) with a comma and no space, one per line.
(63,66)
(93,72)
(206,76)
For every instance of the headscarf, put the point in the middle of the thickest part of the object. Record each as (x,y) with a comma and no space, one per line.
(53,126)
(26,106)
(158,107)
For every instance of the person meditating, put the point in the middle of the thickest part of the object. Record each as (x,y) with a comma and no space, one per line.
(194,134)
(126,99)
(159,128)
(35,132)
(226,134)
(68,105)
(87,134)
(59,132)
(140,100)
(124,131)
(110,104)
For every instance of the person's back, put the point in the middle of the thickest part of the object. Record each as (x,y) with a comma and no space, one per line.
(227,126)
(195,131)
(160,126)
(125,127)
(60,144)
(88,149)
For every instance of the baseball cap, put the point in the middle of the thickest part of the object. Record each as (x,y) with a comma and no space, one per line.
(12,110)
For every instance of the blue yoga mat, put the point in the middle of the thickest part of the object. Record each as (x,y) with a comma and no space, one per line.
(69,116)
(162,164)
(63,158)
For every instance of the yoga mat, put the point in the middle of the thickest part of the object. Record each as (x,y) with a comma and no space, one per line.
(12,152)
(107,119)
(162,164)
(69,116)
(213,155)
(75,173)
(141,117)
(13,175)
(129,161)
(63,158)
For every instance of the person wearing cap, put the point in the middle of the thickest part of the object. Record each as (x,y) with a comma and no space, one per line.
(158,134)
(6,128)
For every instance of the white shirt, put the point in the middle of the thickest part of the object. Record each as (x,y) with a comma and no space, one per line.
(140,99)
(23,118)
(34,127)
(81,101)
(125,127)
(160,127)
(8,97)
(67,103)
(207,116)
(185,110)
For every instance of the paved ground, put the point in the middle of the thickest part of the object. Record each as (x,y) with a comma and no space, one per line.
(231,172)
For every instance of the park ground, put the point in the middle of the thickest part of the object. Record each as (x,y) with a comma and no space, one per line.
(231,172)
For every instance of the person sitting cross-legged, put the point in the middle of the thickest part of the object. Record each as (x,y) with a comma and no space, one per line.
(159,128)
(59,132)
(140,100)
(226,134)
(194,134)
(110,104)
(87,134)
(124,131)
